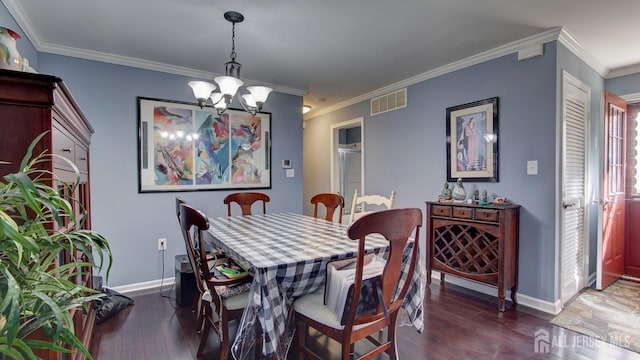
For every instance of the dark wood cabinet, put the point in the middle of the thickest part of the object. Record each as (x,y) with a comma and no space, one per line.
(474,242)
(31,104)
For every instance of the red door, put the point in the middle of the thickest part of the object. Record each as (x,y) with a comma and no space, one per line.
(612,266)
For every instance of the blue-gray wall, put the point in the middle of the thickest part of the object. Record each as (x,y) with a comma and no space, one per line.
(133,222)
(624,85)
(405,149)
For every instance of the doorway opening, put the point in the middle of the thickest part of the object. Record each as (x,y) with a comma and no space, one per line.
(347,160)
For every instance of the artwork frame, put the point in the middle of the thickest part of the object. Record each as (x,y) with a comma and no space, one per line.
(472,141)
(183,147)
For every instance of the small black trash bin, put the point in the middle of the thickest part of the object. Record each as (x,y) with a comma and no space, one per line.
(185,282)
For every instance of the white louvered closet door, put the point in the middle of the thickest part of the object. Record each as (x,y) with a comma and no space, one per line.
(575,112)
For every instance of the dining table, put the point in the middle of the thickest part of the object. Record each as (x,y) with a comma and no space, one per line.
(287,256)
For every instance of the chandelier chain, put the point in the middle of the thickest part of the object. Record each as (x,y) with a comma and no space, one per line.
(233,42)
(251,98)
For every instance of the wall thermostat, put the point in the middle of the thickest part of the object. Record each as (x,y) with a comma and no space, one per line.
(286,164)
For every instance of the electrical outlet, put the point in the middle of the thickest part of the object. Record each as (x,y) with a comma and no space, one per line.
(162,244)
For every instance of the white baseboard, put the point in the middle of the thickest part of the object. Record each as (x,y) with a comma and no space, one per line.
(525,300)
(143,286)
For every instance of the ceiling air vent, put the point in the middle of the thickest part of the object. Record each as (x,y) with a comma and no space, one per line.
(384,103)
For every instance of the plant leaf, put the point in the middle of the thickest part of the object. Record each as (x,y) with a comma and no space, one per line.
(27,156)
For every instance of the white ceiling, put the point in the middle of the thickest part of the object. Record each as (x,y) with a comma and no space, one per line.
(332,51)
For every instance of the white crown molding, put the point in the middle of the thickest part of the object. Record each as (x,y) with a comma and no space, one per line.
(627,70)
(631,98)
(559,34)
(575,47)
(546,36)
(151,65)
(23,21)
(19,15)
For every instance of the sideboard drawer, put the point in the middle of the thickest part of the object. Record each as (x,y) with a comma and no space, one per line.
(441,210)
(487,215)
(462,213)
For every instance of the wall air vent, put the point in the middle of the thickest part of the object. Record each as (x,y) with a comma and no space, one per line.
(392,101)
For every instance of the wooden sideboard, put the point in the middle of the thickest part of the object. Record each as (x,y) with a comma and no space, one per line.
(474,242)
(31,104)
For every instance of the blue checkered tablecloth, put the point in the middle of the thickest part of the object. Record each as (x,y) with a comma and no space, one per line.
(287,255)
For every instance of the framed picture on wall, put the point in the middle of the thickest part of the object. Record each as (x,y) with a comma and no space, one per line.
(472,141)
(182,147)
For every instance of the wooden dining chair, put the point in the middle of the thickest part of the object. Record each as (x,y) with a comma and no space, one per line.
(193,224)
(245,200)
(359,205)
(331,202)
(397,226)
(198,305)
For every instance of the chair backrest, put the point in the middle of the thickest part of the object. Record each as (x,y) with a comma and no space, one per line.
(246,200)
(378,200)
(193,223)
(331,203)
(397,226)
(179,201)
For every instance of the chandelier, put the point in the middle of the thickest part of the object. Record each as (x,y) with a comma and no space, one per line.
(251,98)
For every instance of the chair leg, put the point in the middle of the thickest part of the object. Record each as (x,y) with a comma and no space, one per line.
(347,351)
(204,336)
(391,337)
(202,313)
(301,334)
(195,304)
(225,344)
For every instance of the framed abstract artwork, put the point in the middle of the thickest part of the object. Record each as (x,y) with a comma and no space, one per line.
(472,141)
(182,147)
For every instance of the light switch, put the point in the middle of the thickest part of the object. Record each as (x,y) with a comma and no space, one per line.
(290,173)
(532,167)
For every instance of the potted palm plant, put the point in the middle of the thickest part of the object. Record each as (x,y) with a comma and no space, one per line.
(38,295)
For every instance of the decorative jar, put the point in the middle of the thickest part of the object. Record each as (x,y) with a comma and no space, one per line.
(10,59)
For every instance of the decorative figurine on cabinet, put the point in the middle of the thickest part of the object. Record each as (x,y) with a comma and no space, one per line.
(459,193)
(483,198)
(446,193)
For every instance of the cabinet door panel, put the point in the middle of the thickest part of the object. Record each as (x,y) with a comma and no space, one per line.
(63,145)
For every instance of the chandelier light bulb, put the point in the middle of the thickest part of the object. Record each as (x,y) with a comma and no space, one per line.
(228,85)
(251,98)
(201,91)
(260,93)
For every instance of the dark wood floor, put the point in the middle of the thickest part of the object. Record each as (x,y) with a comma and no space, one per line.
(459,324)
